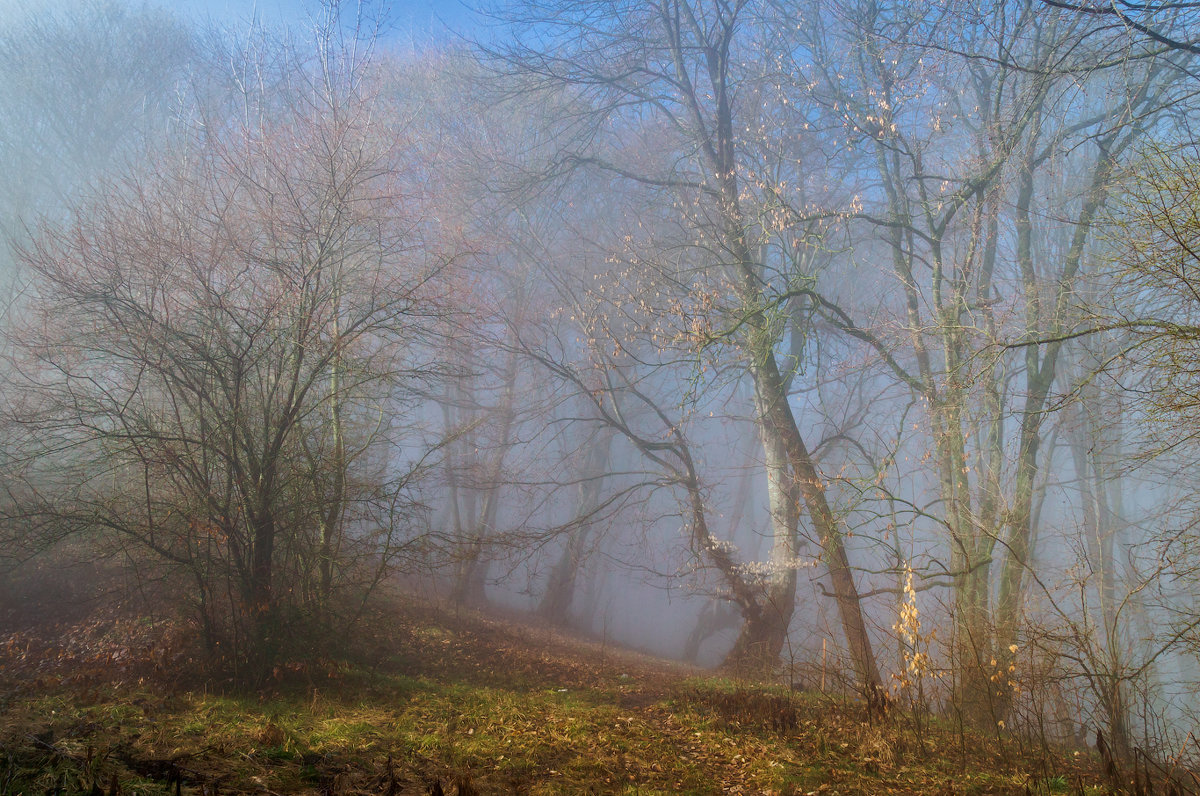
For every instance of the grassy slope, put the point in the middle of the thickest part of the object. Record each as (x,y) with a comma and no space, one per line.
(507,707)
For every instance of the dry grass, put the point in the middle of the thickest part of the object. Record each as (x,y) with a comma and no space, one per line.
(471,704)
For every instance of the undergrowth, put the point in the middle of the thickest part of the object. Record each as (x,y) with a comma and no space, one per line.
(431,703)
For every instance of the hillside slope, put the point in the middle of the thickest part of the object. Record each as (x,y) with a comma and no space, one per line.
(442,703)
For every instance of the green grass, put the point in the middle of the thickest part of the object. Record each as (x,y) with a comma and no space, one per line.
(558,716)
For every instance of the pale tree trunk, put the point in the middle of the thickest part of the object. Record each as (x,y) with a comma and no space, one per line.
(691,48)
(782,440)
(764,635)
(260,596)
(1040,375)
(453,394)
(975,622)
(946,395)
(332,513)
(711,107)
(555,605)
(779,424)
(981,536)
(1101,496)
(720,613)
(970,561)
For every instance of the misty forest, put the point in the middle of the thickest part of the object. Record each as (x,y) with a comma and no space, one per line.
(601,396)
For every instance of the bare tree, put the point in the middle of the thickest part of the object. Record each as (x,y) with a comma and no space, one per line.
(254,310)
(1027,98)
(682,67)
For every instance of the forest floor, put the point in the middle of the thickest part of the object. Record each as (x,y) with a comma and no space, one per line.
(444,703)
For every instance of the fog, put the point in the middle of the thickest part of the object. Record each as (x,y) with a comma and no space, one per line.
(850,345)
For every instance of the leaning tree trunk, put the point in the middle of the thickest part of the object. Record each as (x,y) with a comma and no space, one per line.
(773,411)
(777,418)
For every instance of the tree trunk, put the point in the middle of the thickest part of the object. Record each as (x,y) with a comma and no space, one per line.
(778,426)
(777,416)
(331,517)
(260,601)
(764,632)
(471,584)
(555,605)
(1101,499)
(717,615)
(1040,375)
